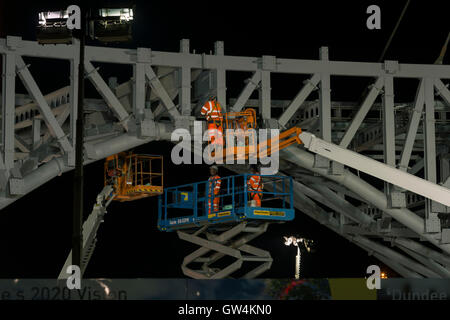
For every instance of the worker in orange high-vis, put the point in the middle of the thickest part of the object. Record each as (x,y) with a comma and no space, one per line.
(213,189)
(255,185)
(213,113)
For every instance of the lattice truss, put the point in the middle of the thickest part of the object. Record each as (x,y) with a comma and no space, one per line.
(407,232)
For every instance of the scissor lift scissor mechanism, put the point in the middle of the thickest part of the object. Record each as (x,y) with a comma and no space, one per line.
(217,245)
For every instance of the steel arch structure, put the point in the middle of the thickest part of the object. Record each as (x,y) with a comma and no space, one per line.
(406,231)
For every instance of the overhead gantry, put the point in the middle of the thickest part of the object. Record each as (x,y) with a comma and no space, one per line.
(389,218)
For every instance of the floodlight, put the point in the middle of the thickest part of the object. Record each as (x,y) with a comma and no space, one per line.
(52,28)
(111,24)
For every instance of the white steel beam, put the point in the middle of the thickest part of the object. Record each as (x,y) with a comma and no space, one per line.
(444,167)
(316,212)
(220,76)
(389,121)
(8,109)
(377,169)
(73,100)
(34,49)
(412,127)
(36,128)
(73,94)
(344,207)
(372,195)
(21,144)
(306,205)
(198,61)
(432,223)
(325,100)
(94,151)
(442,90)
(423,250)
(300,66)
(265,96)
(361,69)
(396,257)
(397,267)
(106,92)
(161,92)
(309,86)
(252,83)
(139,85)
(60,118)
(388,130)
(362,112)
(184,84)
(328,198)
(431,264)
(50,120)
(429,132)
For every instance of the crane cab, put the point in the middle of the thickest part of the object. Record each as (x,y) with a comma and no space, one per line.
(134,176)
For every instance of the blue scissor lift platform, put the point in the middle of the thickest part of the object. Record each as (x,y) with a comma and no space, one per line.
(226,231)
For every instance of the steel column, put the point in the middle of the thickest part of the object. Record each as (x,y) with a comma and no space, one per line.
(184,82)
(265,96)
(220,76)
(432,223)
(325,100)
(8,109)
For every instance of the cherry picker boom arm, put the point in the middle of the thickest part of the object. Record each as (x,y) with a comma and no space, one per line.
(90,228)
(283,140)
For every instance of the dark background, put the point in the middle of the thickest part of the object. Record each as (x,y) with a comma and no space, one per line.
(35,231)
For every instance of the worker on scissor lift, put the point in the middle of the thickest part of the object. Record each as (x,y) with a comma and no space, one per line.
(255,185)
(213,113)
(213,189)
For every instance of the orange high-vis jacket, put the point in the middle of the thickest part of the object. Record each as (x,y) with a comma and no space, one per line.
(211,110)
(254,183)
(214,184)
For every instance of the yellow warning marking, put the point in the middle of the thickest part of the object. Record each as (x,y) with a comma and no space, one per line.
(269,213)
(185,194)
(224,213)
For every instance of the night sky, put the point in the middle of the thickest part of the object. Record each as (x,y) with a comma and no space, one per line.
(35,231)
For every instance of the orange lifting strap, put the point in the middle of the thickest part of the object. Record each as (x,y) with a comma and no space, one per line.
(134,176)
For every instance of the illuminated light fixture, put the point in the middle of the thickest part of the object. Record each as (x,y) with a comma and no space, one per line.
(384,275)
(295,242)
(105,25)
(123,14)
(52,28)
(111,24)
